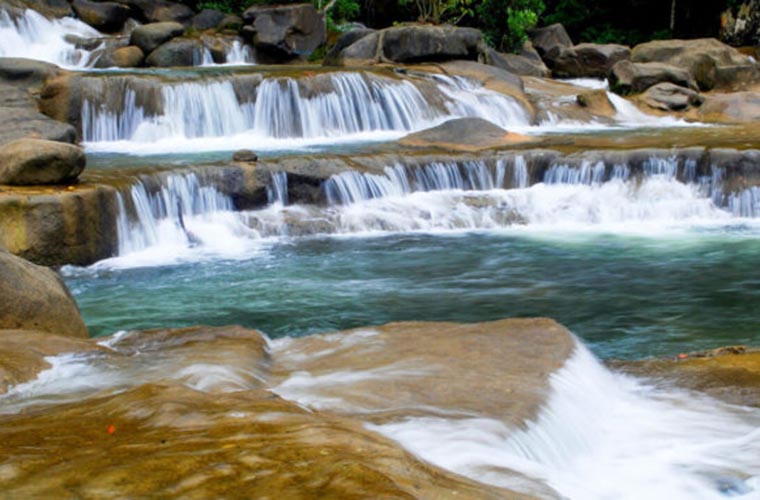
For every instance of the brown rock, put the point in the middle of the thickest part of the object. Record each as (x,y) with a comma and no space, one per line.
(517,64)
(149,36)
(627,77)
(587,60)
(108,17)
(283,32)
(736,107)
(245,155)
(122,57)
(670,97)
(35,298)
(597,102)
(28,162)
(464,134)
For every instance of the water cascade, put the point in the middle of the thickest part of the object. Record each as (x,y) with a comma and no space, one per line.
(30,35)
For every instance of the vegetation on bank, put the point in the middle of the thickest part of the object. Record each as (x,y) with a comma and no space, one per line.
(505,22)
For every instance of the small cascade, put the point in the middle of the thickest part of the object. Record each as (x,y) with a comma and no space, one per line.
(159,217)
(32,36)
(745,203)
(588,173)
(323,107)
(277,190)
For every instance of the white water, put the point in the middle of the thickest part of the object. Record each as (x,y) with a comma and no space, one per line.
(356,107)
(33,36)
(603,436)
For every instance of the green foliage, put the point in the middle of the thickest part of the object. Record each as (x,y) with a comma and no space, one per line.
(438,11)
(506,23)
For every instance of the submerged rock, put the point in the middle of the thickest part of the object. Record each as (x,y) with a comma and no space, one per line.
(35,298)
(27,162)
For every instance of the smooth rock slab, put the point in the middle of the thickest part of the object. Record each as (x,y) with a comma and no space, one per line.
(28,162)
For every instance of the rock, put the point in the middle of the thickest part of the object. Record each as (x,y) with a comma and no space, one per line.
(148,37)
(517,64)
(51,8)
(587,60)
(245,155)
(287,31)
(35,298)
(122,57)
(736,107)
(334,56)
(740,24)
(58,226)
(627,77)
(26,71)
(408,44)
(230,22)
(711,63)
(597,102)
(671,97)
(27,162)
(550,40)
(157,11)
(207,19)
(23,353)
(464,134)
(177,52)
(558,100)
(366,50)
(108,17)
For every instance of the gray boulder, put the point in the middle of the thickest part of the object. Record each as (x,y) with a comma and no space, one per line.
(27,162)
(207,19)
(627,77)
(149,36)
(671,97)
(35,298)
(587,60)
(285,32)
(108,17)
(407,44)
(334,57)
(157,11)
(515,63)
(177,52)
(550,40)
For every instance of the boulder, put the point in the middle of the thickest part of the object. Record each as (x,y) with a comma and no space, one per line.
(108,17)
(230,22)
(207,19)
(671,97)
(464,134)
(736,107)
(245,155)
(515,63)
(177,52)
(587,60)
(28,162)
(367,49)
(148,37)
(285,31)
(550,40)
(596,102)
(740,24)
(26,71)
(156,11)
(122,57)
(51,8)
(627,77)
(334,56)
(710,62)
(408,44)
(35,298)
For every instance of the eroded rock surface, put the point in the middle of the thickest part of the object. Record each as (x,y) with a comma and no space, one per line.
(28,162)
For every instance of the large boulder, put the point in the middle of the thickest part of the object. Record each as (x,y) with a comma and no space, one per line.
(177,52)
(50,8)
(710,62)
(285,31)
(464,134)
(550,40)
(108,17)
(335,56)
(28,162)
(671,97)
(156,11)
(516,63)
(735,107)
(627,77)
(407,44)
(35,298)
(149,36)
(207,19)
(122,57)
(587,60)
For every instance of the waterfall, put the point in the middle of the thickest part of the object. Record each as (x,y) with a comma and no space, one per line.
(322,107)
(32,36)
(149,218)
(745,203)
(277,190)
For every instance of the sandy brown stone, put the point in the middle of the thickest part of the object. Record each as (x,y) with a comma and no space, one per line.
(27,162)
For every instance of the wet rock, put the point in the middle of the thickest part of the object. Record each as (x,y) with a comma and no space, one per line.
(627,77)
(735,107)
(463,134)
(177,52)
(550,40)
(287,31)
(51,8)
(408,44)
(148,37)
(516,63)
(108,17)
(711,63)
(245,155)
(157,11)
(597,102)
(587,60)
(27,162)
(35,298)
(207,19)
(670,97)
(122,57)
(58,226)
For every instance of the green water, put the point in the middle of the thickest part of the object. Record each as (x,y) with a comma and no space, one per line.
(627,297)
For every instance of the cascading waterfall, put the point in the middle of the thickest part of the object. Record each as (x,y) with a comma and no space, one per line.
(31,35)
(341,105)
(277,190)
